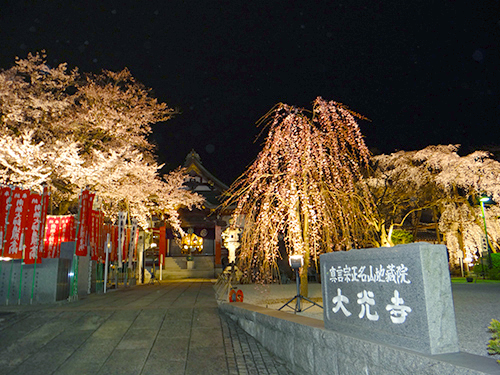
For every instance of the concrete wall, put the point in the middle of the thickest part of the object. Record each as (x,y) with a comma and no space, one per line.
(309,348)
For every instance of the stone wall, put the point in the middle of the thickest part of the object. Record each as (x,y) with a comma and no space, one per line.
(308,348)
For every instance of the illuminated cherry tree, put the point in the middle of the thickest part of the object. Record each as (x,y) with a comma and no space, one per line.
(125,181)
(438,178)
(305,185)
(72,130)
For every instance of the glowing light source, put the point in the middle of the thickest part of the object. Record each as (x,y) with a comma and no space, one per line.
(191,242)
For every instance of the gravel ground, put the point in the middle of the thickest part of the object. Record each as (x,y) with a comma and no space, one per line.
(475,306)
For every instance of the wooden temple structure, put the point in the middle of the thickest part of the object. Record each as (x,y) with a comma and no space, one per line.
(204,225)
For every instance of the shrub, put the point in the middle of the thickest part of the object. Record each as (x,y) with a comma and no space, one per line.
(492,273)
(494,344)
(401,236)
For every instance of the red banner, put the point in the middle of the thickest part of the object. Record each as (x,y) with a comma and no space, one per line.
(16,223)
(5,193)
(51,248)
(126,244)
(114,243)
(94,234)
(33,229)
(163,244)
(82,235)
(67,230)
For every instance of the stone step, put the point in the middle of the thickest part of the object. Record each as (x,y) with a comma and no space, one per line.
(174,264)
(186,274)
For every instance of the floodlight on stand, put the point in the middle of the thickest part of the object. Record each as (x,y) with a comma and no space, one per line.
(296,261)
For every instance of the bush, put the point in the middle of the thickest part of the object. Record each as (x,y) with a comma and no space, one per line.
(494,344)
(492,273)
(401,236)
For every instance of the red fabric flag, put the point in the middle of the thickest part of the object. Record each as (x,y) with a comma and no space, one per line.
(136,242)
(5,193)
(114,243)
(102,237)
(163,244)
(126,244)
(67,223)
(45,208)
(94,234)
(52,249)
(15,225)
(33,229)
(82,234)
(69,230)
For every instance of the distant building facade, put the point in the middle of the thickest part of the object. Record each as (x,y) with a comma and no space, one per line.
(206,223)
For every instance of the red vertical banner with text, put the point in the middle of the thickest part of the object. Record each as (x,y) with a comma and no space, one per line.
(15,225)
(5,193)
(66,230)
(33,229)
(163,244)
(51,249)
(94,234)
(82,231)
(126,244)
(70,230)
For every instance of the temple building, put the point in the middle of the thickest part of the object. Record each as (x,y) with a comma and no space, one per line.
(202,245)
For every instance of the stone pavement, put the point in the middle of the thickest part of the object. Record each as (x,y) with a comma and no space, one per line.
(171,328)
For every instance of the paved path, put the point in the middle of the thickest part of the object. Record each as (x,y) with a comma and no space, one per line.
(172,328)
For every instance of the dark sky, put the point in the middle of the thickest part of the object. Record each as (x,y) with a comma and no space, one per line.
(424,72)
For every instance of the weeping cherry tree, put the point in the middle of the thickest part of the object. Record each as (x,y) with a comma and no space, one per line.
(305,186)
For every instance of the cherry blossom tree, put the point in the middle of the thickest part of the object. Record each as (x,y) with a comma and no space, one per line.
(305,185)
(25,162)
(126,182)
(438,178)
(72,130)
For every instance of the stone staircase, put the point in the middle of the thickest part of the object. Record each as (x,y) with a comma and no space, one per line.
(176,268)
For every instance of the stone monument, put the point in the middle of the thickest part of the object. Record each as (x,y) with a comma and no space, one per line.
(398,296)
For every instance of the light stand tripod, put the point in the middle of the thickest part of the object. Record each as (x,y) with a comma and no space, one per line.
(297,261)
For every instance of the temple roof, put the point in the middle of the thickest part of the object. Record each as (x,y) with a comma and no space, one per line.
(202,181)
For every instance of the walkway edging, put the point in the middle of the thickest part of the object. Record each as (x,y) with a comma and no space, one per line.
(307,347)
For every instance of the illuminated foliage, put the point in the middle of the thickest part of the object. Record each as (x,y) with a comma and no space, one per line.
(438,178)
(305,185)
(72,130)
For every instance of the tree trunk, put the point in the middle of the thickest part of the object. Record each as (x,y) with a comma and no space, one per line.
(304,286)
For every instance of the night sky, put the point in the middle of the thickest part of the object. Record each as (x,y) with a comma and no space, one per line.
(424,72)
